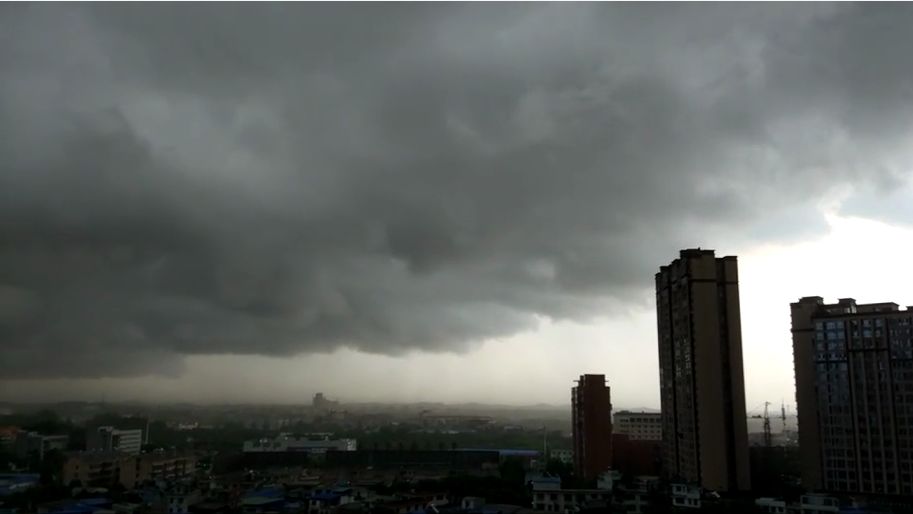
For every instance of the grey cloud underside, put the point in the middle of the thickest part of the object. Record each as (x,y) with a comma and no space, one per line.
(277,179)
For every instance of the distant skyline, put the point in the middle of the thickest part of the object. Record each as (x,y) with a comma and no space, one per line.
(432,202)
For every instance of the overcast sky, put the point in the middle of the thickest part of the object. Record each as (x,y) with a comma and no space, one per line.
(227,202)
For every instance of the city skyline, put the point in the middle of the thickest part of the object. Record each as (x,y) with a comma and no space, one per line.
(457,203)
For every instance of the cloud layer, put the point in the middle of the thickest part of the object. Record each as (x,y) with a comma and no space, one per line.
(278,179)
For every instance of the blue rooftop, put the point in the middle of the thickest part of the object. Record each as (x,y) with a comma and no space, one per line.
(325,496)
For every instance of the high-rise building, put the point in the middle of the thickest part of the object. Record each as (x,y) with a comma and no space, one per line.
(702,389)
(854,390)
(592,426)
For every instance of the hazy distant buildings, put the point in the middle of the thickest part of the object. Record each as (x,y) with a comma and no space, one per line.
(638,426)
(110,439)
(592,426)
(288,443)
(854,390)
(321,403)
(33,444)
(702,389)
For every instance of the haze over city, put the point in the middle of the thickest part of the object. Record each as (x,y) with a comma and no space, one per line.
(411,202)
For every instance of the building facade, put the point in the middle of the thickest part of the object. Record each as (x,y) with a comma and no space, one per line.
(638,426)
(854,390)
(702,390)
(105,468)
(636,457)
(592,426)
(110,439)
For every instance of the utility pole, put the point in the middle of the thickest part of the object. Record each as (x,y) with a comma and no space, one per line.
(783,414)
(767,437)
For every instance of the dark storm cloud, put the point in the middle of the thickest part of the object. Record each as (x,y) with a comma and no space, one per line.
(276,179)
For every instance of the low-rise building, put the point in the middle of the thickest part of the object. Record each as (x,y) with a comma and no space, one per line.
(771,505)
(685,496)
(549,496)
(105,468)
(818,503)
(159,465)
(639,426)
(94,468)
(299,444)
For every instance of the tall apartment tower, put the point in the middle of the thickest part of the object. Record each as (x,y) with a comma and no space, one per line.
(702,389)
(854,391)
(592,424)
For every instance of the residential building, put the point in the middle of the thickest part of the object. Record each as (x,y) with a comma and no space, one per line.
(110,439)
(105,468)
(638,426)
(702,390)
(549,496)
(159,465)
(854,390)
(97,468)
(592,426)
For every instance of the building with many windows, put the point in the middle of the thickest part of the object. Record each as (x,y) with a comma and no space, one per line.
(110,439)
(592,426)
(105,468)
(638,426)
(702,389)
(854,390)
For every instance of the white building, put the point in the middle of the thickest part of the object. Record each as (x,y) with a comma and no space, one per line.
(112,439)
(548,495)
(817,503)
(686,496)
(771,505)
(638,426)
(289,443)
